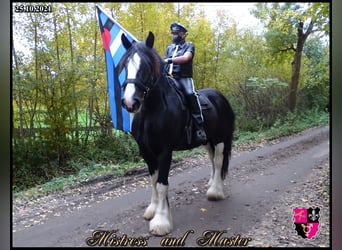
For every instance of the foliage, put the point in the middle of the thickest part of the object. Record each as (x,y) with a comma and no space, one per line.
(61,118)
(118,148)
(286,125)
(288,27)
(262,102)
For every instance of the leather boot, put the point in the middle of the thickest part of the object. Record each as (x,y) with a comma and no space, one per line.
(196,113)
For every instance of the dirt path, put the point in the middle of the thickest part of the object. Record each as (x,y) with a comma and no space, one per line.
(263,185)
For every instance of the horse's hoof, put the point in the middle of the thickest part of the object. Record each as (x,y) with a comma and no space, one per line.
(149,212)
(160,230)
(214,198)
(160,227)
(215,195)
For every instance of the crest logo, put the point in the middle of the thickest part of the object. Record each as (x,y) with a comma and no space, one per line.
(306,221)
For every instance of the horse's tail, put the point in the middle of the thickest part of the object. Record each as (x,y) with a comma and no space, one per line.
(228,140)
(226,120)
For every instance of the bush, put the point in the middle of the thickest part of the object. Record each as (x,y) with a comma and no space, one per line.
(117,148)
(35,161)
(32,163)
(286,125)
(314,96)
(258,103)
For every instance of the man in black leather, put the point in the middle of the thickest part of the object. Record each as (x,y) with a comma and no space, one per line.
(179,56)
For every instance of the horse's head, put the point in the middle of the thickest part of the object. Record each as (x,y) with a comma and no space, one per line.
(142,64)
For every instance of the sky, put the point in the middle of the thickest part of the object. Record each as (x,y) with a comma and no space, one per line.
(239,11)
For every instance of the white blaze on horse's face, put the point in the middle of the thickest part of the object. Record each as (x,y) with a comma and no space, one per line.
(132,70)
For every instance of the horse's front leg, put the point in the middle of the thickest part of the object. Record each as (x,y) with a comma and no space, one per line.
(161,224)
(150,210)
(152,163)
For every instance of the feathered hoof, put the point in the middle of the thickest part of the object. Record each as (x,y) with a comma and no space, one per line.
(149,212)
(160,226)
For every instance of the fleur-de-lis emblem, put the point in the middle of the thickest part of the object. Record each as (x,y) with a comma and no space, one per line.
(313,216)
(306,221)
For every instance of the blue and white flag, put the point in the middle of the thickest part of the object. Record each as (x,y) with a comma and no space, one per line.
(111,37)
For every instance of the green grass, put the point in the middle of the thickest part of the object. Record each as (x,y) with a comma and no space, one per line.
(61,183)
(291,124)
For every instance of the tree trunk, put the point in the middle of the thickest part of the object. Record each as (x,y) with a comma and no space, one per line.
(33,111)
(93,91)
(18,83)
(57,53)
(217,55)
(296,64)
(295,77)
(74,84)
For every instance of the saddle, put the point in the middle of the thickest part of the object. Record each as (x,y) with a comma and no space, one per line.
(204,102)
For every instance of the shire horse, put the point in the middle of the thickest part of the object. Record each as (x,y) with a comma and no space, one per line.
(160,126)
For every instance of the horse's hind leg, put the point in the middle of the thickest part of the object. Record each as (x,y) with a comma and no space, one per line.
(211,152)
(215,191)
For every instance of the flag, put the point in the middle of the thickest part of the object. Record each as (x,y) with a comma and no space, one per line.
(111,38)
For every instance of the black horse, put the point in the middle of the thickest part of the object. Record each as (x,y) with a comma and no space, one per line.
(162,122)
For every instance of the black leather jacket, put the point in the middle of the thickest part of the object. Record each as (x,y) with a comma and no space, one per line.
(185,69)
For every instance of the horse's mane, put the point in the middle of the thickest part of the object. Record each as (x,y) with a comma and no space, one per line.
(149,58)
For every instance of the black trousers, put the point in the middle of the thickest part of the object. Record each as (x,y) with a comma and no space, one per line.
(188,88)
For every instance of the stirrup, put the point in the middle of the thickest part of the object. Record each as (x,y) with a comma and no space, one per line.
(200,135)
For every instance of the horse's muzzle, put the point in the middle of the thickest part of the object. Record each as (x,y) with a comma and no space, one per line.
(132,106)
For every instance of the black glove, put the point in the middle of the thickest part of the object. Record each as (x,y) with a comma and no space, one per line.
(168,60)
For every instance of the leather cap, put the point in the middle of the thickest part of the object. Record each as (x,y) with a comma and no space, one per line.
(177,27)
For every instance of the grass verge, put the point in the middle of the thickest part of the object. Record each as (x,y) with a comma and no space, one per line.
(291,124)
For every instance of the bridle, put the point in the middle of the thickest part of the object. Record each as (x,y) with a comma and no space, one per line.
(145,88)
(137,83)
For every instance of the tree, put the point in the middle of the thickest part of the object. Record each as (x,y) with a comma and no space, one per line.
(288,27)
(317,82)
(203,38)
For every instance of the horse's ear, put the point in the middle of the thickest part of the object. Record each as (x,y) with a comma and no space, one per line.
(150,40)
(127,44)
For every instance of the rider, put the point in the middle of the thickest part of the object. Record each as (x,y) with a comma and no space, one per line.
(179,56)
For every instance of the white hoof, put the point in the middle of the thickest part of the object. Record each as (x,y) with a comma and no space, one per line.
(150,211)
(215,193)
(160,226)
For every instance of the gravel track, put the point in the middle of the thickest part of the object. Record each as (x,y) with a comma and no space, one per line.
(271,226)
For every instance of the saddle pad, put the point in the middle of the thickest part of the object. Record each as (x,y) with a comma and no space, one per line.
(204,101)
